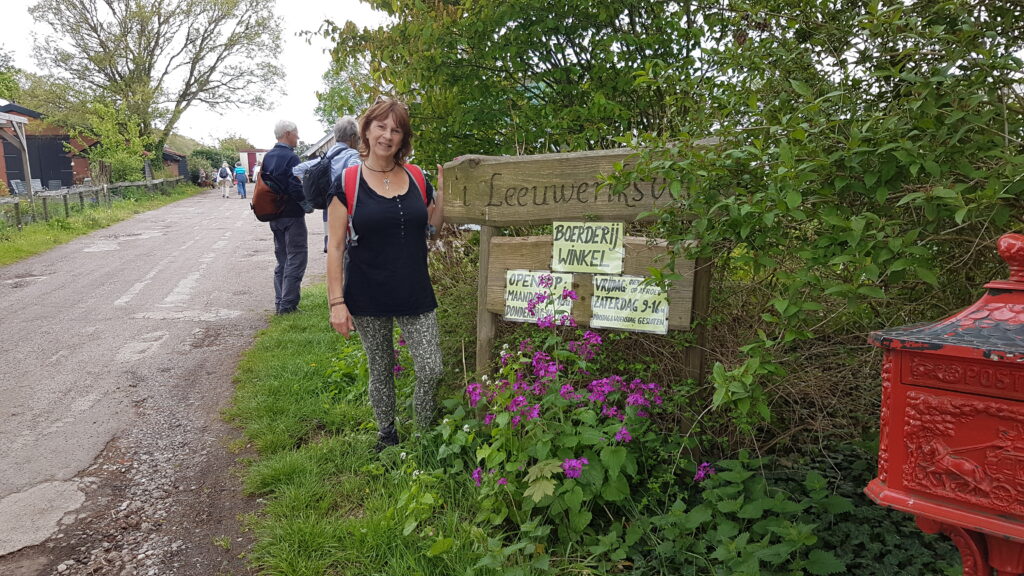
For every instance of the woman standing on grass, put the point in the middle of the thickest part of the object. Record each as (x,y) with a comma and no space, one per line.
(383,276)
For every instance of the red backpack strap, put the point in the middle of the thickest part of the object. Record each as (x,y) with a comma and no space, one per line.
(421,181)
(351,184)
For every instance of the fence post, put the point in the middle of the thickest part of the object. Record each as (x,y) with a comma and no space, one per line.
(96,196)
(106,192)
(81,200)
(46,211)
(17,214)
(67,211)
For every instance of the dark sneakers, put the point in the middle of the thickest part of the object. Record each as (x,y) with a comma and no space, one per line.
(386,438)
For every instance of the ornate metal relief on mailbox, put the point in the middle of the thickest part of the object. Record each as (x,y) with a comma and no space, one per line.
(951,447)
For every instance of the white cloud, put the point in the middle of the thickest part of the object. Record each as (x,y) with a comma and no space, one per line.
(303,62)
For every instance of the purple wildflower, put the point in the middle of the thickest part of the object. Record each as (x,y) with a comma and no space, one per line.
(569,393)
(600,389)
(546,322)
(488,419)
(516,420)
(637,399)
(401,340)
(569,294)
(477,476)
(502,481)
(566,320)
(546,280)
(474,390)
(543,366)
(592,338)
(623,435)
(704,471)
(534,412)
(574,467)
(517,403)
(526,346)
(534,301)
(609,411)
(397,369)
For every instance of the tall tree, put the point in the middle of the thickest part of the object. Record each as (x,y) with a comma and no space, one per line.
(8,77)
(155,59)
(235,143)
(524,76)
(342,91)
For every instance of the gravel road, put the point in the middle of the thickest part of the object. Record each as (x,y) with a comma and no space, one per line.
(116,357)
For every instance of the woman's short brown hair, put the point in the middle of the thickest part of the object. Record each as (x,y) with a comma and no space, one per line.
(381,110)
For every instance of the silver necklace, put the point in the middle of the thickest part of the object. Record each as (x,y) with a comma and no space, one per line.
(387,177)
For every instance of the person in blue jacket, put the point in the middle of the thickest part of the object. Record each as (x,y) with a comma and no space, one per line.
(240,179)
(343,154)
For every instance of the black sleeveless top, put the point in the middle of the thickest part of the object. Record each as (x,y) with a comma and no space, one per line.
(386,270)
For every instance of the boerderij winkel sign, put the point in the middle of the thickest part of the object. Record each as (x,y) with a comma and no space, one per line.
(521,190)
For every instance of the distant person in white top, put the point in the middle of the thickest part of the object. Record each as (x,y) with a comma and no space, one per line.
(255,171)
(224,177)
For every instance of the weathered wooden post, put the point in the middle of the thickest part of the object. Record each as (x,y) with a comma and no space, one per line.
(67,210)
(486,321)
(17,214)
(46,211)
(81,200)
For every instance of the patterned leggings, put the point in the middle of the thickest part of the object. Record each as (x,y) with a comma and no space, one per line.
(421,334)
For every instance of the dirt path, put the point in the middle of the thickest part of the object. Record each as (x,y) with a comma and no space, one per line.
(116,356)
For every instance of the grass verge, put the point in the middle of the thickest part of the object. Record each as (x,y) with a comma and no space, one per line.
(41,236)
(332,505)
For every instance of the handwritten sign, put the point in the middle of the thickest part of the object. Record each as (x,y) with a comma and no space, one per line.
(530,295)
(592,247)
(625,303)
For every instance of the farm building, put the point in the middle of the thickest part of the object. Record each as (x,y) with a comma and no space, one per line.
(319,147)
(249,158)
(49,160)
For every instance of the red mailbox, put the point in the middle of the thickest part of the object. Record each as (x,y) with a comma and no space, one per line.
(951,450)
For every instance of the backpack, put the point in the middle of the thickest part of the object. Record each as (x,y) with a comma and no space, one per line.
(266,202)
(316,183)
(223,172)
(350,184)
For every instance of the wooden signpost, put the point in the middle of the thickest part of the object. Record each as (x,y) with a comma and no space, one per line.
(500,191)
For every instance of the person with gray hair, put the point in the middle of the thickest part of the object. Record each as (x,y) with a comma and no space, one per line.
(289,226)
(343,153)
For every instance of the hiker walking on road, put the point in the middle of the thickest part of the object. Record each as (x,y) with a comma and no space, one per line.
(343,154)
(380,275)
(240,179)
(224,180)
(289,227)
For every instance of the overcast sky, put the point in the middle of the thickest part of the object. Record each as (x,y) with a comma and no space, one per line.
(303,63)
